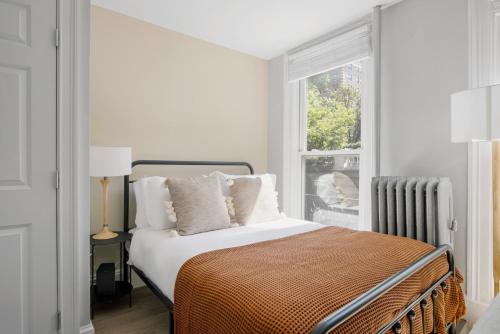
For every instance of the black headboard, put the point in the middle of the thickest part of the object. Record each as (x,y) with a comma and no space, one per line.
(126,180)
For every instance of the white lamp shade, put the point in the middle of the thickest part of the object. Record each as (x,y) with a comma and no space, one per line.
(475,115)
(110,161)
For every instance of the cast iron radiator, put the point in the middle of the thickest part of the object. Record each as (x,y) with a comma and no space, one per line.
(415,207)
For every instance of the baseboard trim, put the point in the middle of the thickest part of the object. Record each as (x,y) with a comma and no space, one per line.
(87,329)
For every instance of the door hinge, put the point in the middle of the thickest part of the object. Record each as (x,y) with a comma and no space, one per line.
(59,320)
(58,37)
(58,179)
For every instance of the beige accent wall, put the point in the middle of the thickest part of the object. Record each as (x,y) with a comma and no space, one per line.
(171,96)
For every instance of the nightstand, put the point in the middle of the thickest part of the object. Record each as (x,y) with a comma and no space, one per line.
(123,286)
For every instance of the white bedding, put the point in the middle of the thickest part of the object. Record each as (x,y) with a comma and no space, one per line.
(160,255)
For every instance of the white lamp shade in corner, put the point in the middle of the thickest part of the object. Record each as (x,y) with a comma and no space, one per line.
(475,115)
(110,161)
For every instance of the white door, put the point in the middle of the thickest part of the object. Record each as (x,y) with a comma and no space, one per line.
(28,262)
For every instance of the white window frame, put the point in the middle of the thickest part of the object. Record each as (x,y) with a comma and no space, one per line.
(73,21)
(295,147)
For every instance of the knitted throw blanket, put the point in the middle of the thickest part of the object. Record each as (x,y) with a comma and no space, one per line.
(288,285)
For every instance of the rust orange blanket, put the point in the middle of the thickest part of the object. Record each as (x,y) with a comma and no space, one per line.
(288,285)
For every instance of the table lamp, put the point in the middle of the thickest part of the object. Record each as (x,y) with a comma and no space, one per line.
(475,116)
(106,162)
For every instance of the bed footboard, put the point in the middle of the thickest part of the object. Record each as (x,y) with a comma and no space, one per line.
(357,305)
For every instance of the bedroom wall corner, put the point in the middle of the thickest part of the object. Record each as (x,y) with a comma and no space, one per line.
(275,138)
(419,72)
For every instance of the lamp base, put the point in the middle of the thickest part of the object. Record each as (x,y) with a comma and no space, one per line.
(104,234)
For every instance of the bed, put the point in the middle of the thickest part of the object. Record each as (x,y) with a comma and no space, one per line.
(174,267)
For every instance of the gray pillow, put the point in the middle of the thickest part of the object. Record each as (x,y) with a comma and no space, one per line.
(198,204)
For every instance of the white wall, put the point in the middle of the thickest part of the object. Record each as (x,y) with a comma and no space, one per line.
(424,60)
(275,121)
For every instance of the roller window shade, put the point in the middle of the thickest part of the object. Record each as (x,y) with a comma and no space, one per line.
(328,54)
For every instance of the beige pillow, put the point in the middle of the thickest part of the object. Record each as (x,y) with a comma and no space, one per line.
(254,200)
(199,205)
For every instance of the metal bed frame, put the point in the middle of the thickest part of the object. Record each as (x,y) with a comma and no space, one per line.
(346,312)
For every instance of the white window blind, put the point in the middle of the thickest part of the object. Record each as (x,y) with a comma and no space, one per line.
(329,53)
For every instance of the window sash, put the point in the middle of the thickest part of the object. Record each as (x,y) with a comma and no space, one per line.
(302,98)
(303,192)
(365,153)
(294,148)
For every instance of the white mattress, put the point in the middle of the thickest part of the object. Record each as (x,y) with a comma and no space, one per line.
(160,255)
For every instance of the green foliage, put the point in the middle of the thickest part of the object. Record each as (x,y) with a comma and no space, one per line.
(333,115)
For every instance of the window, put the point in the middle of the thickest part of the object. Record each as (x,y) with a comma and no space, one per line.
(329,142)
(330,145)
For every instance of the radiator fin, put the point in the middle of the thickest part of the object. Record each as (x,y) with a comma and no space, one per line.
(401,207)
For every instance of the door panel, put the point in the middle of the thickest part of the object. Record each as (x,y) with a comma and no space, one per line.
(28,198)
(14,283)
(14,26)
(14,120)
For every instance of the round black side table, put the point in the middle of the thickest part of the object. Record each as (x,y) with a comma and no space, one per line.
(123,286)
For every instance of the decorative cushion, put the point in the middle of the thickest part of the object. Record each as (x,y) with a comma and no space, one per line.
(198,204)
(254,200)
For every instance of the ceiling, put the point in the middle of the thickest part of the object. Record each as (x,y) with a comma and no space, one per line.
(263,28)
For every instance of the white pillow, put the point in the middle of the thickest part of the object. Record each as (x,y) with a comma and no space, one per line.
(141,220)
(266,208)
(155,195)
(224,177)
